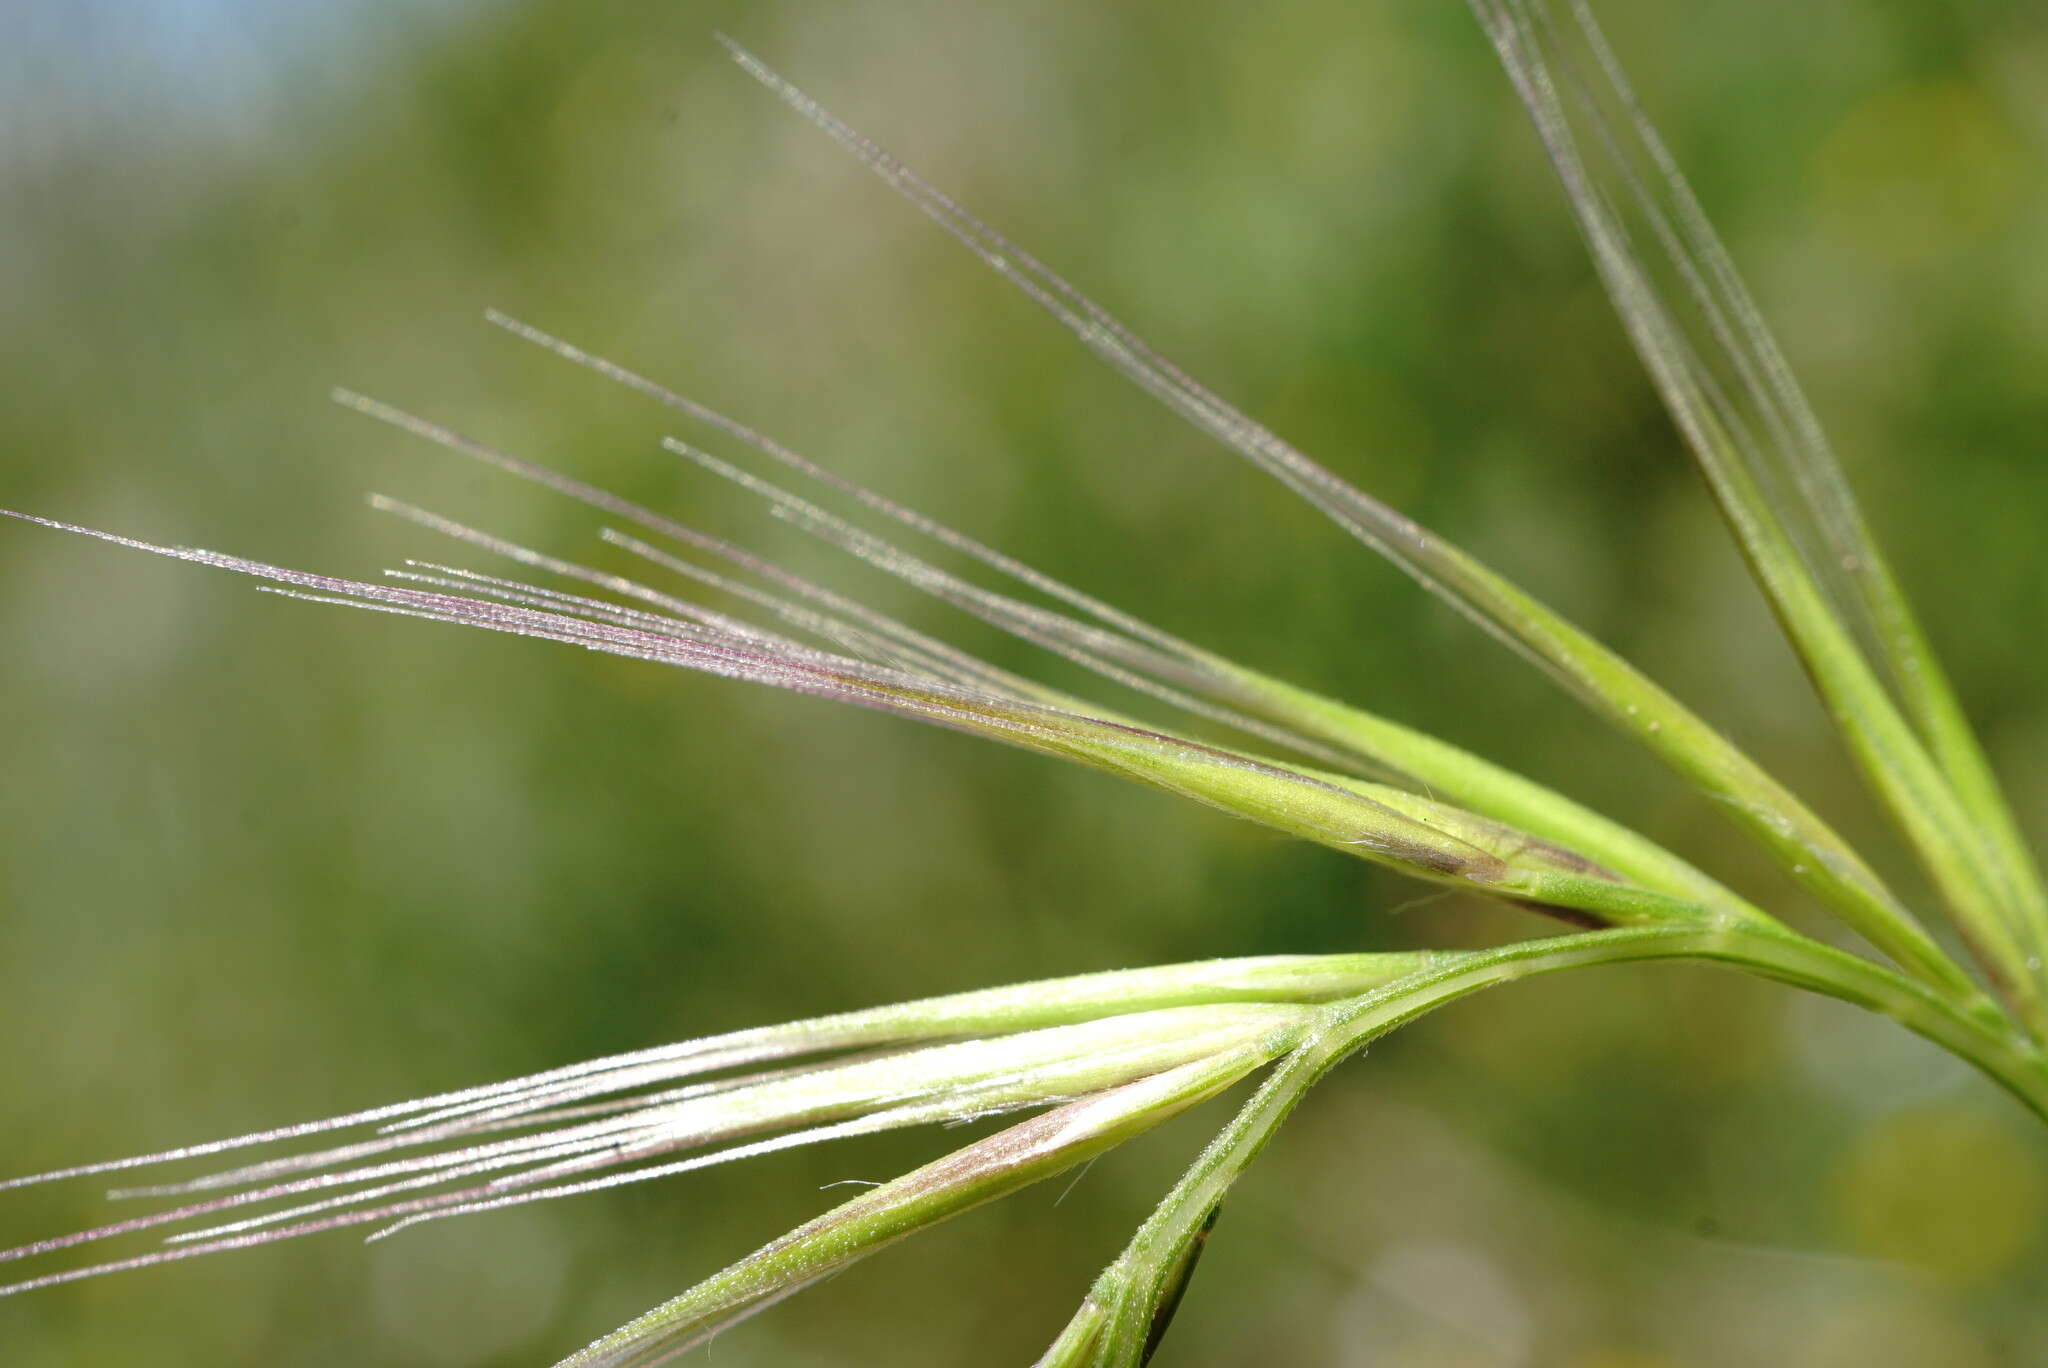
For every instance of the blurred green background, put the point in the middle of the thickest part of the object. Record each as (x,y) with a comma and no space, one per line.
(264,861)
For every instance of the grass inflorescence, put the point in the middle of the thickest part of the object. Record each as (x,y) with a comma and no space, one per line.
(1066,1069)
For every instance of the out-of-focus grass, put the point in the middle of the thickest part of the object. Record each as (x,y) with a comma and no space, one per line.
(262,861)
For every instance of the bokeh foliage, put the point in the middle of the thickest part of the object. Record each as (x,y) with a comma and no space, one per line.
(263,861)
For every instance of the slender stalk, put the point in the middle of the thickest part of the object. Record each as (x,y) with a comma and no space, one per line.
(1115,1322)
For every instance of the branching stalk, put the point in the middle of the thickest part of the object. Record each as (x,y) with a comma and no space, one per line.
(1112,1328)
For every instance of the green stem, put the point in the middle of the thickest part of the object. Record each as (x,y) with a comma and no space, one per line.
(1111,1328)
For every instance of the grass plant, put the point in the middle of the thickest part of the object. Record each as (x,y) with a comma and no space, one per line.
(1070,1068)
